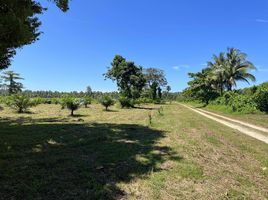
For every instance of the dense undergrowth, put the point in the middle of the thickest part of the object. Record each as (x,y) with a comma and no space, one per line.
(246,101)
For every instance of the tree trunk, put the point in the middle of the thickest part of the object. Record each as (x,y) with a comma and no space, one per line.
(229,87)
(20,110)
(72,112)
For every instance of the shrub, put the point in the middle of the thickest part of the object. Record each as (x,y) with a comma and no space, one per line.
(261,99)
(71,103)
(126,102)
(20,103)
(86,101)
(145,100)
(106,101)
(236,102)
(55,101)
(47,101)
(37,101)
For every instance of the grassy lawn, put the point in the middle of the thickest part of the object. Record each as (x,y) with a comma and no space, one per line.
(119,155)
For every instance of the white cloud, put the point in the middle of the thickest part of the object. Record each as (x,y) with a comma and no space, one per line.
(261,68)
(179,67)
(262,20)
(175,67)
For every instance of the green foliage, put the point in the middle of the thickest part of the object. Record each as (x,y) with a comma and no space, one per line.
(10,78)
(160,111)
(150,119)
(106,101)
(19,25)
(129,77)
(71,103)
(37,101)
(201,87)
(126,102)
(155,79)
(261,97)
(86,101)
(20,103)
(144,100)
(237,102)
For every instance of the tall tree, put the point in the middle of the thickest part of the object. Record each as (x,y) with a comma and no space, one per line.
(201,87)
(155,79)
(217,72)
(10,78)
(19,25)
(129,77)
(89,91)
(237,68)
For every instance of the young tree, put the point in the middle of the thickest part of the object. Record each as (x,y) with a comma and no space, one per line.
(20,103)
(86,101)
(106,101)
(200,87)
(19,25)
(71,103)
(10,78)
(155,79)
(129,77)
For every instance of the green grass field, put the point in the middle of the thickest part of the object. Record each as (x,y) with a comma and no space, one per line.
(118,154)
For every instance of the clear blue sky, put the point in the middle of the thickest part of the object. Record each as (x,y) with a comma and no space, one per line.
(178,36)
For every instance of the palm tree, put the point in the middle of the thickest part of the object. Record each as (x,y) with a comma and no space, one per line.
(237,68)
(12,85)
(217,74)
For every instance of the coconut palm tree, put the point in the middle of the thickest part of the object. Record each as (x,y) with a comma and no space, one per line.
(237,68)
(217,73)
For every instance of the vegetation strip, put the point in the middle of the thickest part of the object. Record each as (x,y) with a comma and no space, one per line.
(246,131)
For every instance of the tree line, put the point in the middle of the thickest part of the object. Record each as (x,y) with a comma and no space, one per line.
(220,75)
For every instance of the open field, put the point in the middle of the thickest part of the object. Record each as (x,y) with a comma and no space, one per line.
(118,155)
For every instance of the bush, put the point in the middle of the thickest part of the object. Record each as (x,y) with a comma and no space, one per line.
(236,102)
(71,103)
(20,103)
(261,99)
(106,101)
(47,101)
(126,102)
(145,100)
(37,101)
(86,101)
(55,101)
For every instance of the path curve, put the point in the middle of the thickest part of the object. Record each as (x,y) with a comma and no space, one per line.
(253,133)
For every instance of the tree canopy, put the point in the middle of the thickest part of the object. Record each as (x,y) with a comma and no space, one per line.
(155,79)
(128,76)
(10,78)
(19,25)
(221,74)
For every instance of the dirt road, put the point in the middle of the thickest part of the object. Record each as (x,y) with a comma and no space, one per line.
(245,128)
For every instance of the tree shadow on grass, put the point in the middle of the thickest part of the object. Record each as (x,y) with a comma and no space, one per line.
(75,161)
